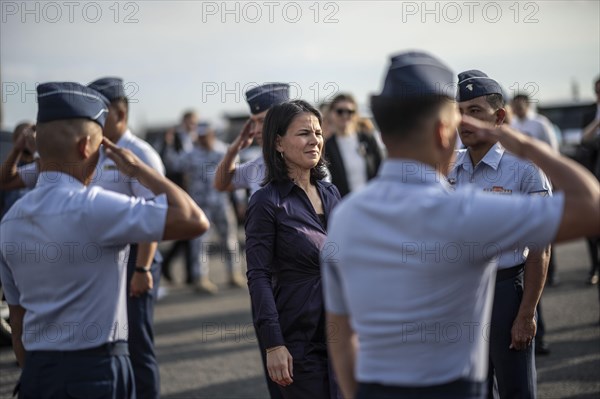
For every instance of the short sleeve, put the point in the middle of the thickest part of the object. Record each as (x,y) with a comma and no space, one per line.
(29,174)
(247,175)
(490,224)
(535,182)
(119,219)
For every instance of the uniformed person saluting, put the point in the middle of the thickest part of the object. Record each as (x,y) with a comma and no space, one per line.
(231,176)
(521,270)
(64,247)
(409,265)
(142,289)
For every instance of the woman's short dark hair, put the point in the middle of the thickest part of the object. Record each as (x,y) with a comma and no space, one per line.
(277,121)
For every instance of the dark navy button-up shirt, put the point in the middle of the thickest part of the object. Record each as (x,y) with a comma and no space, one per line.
(284,236)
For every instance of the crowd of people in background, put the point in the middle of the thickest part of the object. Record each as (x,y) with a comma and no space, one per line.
(322,176)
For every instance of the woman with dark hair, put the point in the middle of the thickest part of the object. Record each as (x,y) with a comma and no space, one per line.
(354,155)
(286,227)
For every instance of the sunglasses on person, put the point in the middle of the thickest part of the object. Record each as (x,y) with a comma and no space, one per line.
(344,111)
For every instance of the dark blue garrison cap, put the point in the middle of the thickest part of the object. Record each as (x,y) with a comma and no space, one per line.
(111,88)
(68,100)
(474,83)
(417,74)
(263,97)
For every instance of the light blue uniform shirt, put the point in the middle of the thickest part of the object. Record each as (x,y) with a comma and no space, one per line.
(412,264)
(500,172)
(64,252)
(250,175)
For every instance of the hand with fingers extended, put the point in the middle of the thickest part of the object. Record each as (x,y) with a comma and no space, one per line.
(510,138)
(522,332)
(29,137)
(126,161)
(245,138)
(280,365)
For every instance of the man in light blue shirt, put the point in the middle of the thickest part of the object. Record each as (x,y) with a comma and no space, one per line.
(409,266)
(64,248)
(144,263)
(521,270)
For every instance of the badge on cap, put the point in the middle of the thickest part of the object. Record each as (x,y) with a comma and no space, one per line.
(474,83)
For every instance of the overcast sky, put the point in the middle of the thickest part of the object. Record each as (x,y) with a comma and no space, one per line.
(177,55)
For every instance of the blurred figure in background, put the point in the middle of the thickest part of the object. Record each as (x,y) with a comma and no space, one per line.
(325,110)
(22,153)
(182,140)
(199,166)
(354,156)
(590,141)
(527,121)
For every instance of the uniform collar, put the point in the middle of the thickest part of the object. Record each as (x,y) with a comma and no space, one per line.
(411,172)
(54,177)
(491,158)
(124,138)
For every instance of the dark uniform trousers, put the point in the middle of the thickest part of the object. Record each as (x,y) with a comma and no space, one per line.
(512,373)
(102,373)
(460,389)
(140,315)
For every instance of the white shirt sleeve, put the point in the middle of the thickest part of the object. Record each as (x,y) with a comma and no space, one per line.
(119,219)
(490,224)
(247,175)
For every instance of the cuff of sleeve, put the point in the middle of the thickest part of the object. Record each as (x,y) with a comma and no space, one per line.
(271,336)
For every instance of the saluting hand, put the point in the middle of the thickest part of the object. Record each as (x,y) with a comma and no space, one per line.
(140,283)
(522,332)
(125,160)
(510,138)
(280,366)
(245,138)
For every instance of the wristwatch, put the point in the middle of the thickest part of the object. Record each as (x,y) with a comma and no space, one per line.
(141,269)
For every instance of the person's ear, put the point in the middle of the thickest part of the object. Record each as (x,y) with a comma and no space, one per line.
(122,115)
(278,145)
(84,147)
(500,116)
(443,136)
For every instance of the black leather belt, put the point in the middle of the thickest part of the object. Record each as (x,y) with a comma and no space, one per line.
(511,272)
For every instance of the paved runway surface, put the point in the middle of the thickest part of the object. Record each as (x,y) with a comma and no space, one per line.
(207,347)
